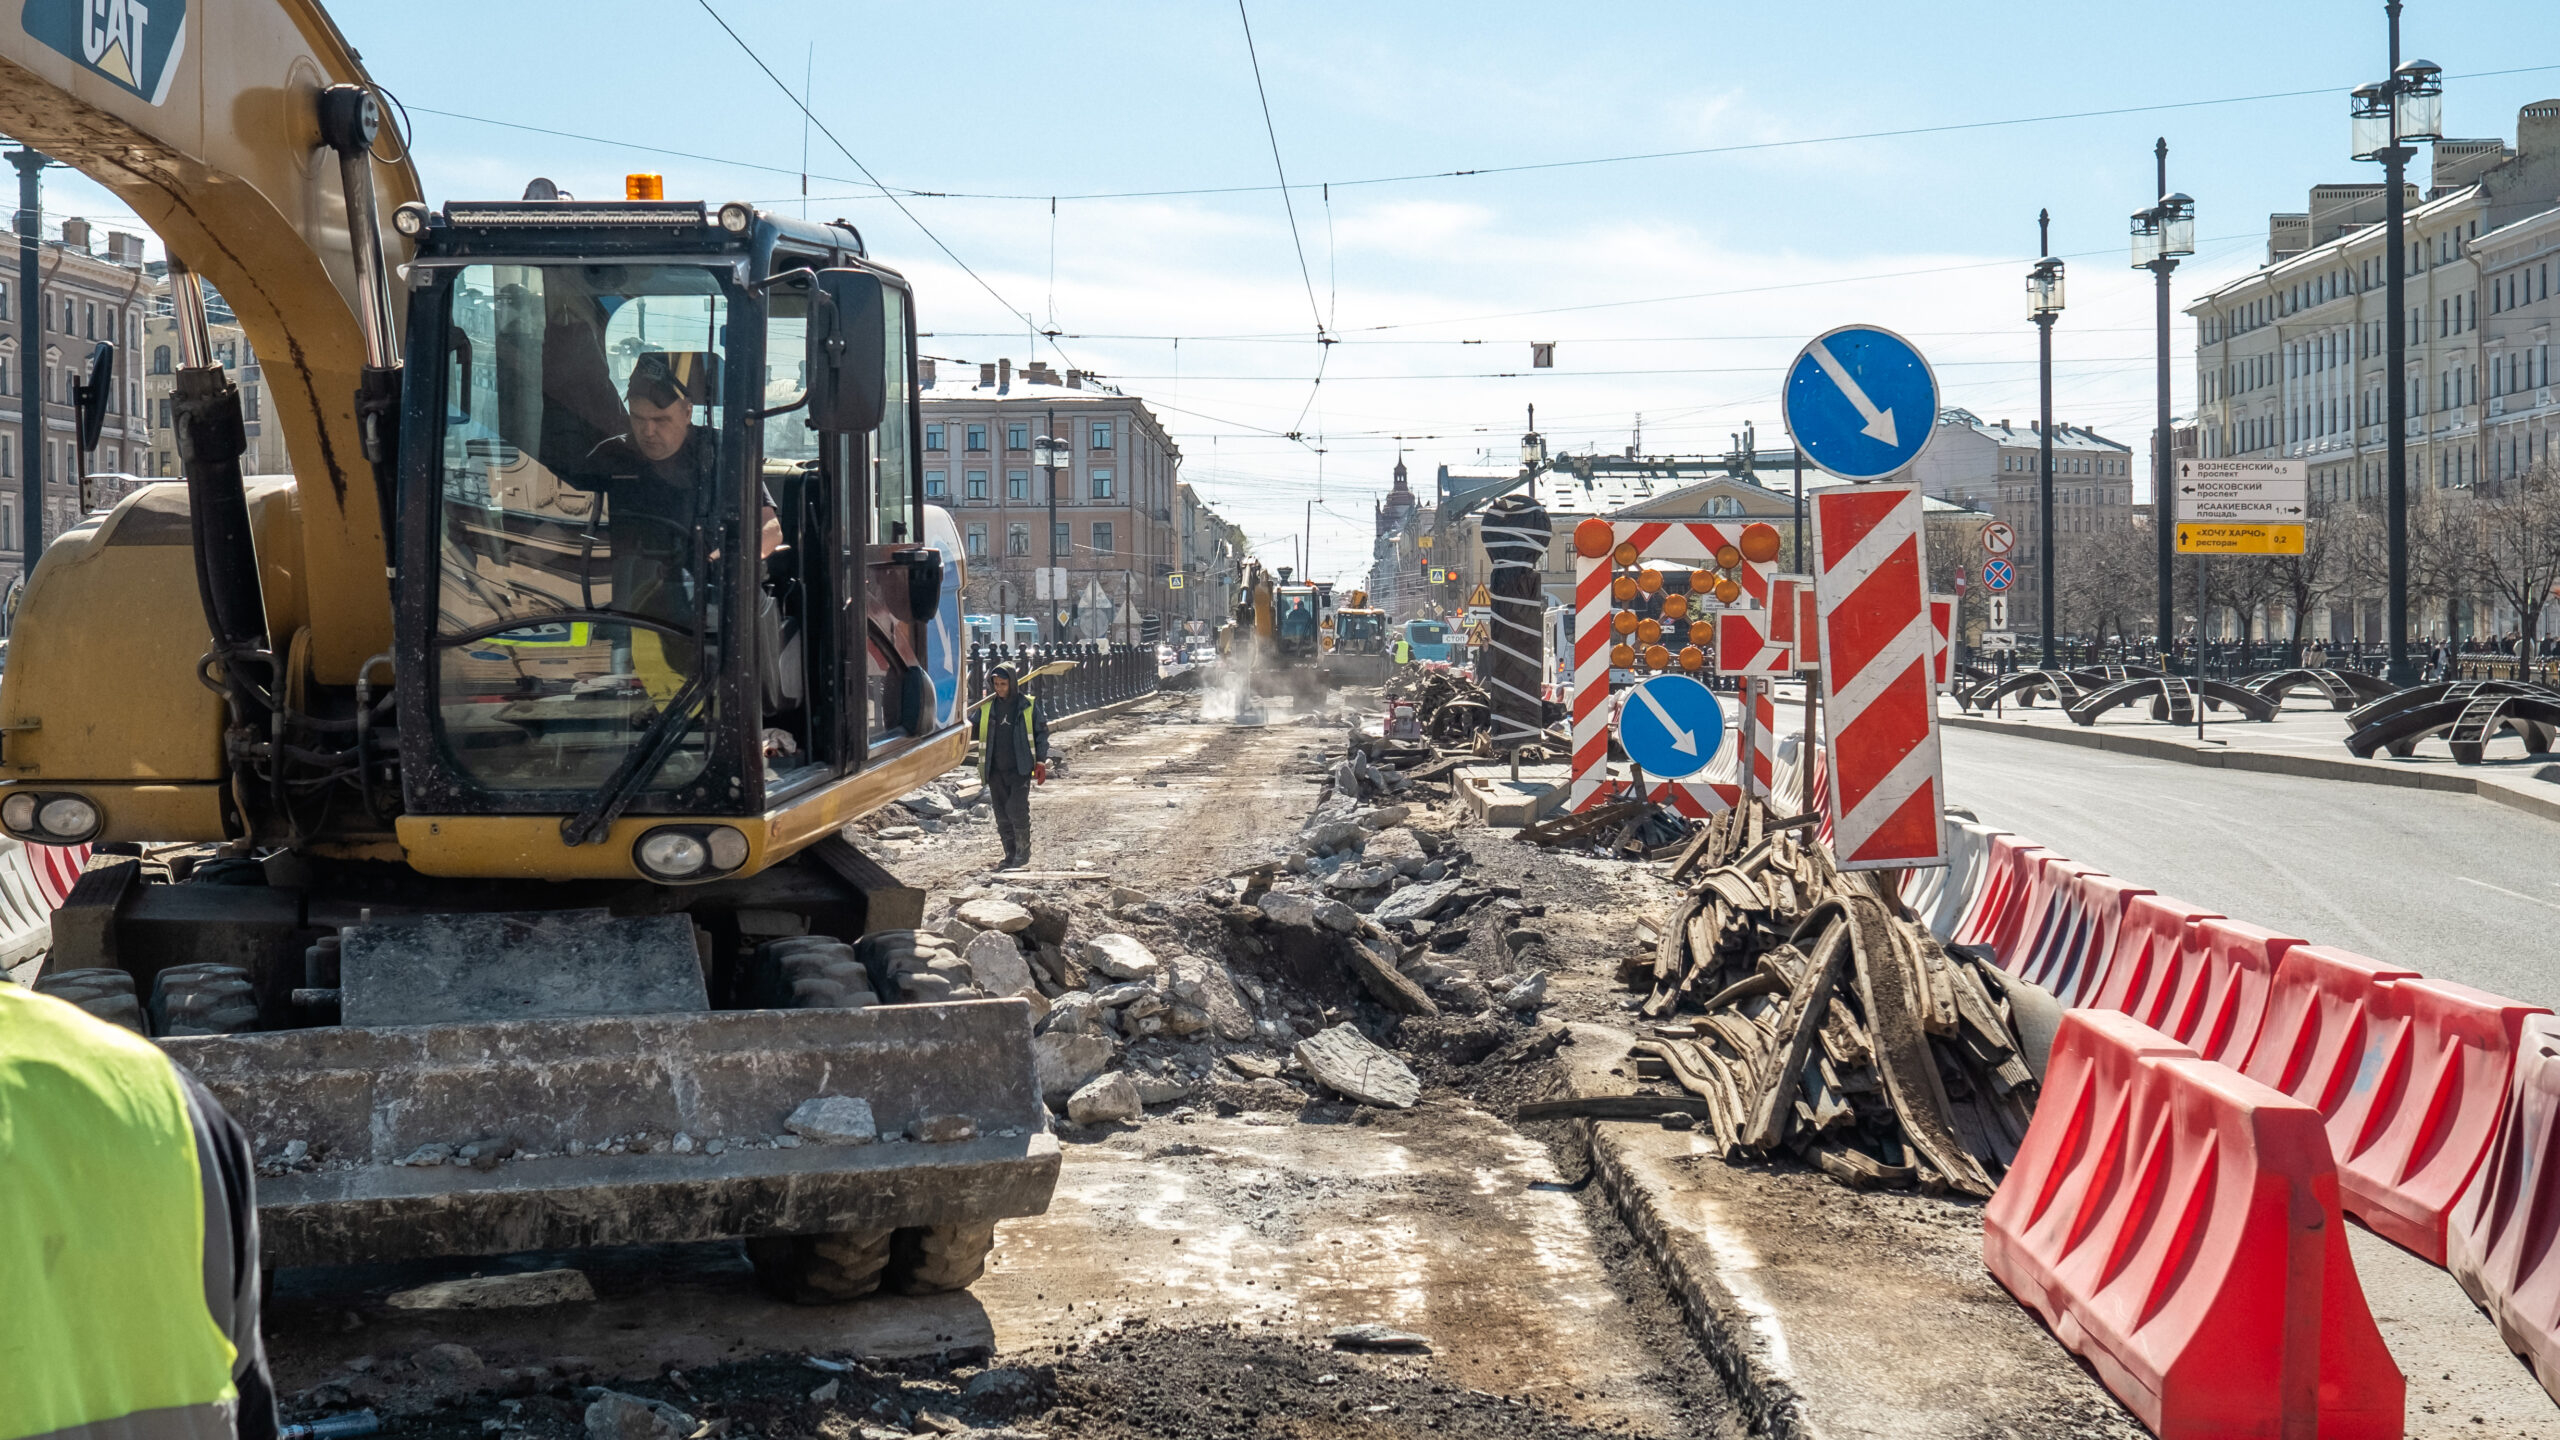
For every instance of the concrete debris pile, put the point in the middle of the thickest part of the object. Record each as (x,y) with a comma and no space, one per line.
(954,801)
(1828,1025)
(1381,894)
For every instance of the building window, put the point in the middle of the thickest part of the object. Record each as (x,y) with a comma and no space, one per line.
(1059,545)
(1017,539)
(1101,537)
(1017,436)
(1101,437)
(160,360)
(937,484)
(977,482)
(1017,484)
(977,437)
(1101,484)
(933,437)
(977,542)
(89,321)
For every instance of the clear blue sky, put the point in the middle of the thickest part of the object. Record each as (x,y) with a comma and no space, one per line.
(1043,100)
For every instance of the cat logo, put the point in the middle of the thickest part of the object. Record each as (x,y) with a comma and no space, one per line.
(135,43)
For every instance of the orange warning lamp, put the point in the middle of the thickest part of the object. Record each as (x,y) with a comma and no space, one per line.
(1656,658)
(1727,557)
(1648,631)
(1625,554)
(1649,580)
(644,187)
(1760,542)
(1674,606)
(1622,657)
(1692,658)
(1593,538)
(1727,592)
(1702,632)
(1701,581)
(1623,589)
(1624,622)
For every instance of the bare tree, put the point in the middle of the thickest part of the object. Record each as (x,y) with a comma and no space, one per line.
(2304,580)
(2103,581)
(2514,550)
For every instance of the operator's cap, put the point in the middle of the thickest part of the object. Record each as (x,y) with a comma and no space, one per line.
(1003,672)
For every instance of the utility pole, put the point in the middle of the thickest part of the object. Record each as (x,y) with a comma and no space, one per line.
(2163,232)
(30,356)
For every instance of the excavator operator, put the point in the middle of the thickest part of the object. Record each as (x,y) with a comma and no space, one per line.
(653,476)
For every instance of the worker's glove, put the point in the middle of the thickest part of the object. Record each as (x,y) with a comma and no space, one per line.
(1040,773)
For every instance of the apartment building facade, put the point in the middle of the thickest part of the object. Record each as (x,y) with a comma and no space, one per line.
(2292,359)
(88,294)
(159,358)
(1105,516)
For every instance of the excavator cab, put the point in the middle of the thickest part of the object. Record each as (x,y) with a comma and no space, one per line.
(660,533)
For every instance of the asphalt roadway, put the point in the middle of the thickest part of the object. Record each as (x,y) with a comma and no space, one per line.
(2450,885)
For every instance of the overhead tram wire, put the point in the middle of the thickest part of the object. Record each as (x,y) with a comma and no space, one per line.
(1324,339)
(847,151)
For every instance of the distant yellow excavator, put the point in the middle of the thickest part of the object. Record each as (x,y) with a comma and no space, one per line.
(515,730)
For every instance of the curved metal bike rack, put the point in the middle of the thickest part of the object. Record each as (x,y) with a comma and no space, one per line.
(2173,699)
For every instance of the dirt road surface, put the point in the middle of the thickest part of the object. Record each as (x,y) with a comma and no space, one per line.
(1187,1274)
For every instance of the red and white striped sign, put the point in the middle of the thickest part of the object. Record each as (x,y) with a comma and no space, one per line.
(1887,786)
(1764,740)
(1808,625)
(1744,646)
(1942,619)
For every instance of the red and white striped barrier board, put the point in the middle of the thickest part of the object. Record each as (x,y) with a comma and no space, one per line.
(1882,720)
(1593,683)
(1764,740)
(1744,645)
(1942,619)
(56,868)
(1808,639)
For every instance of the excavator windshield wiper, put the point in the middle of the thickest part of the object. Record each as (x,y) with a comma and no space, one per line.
(640,765)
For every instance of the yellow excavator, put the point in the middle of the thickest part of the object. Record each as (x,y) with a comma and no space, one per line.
(469,804)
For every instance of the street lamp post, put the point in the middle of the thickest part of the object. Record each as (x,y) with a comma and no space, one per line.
(2408,106)
(2163,234)
(1052,453)
(2044,306)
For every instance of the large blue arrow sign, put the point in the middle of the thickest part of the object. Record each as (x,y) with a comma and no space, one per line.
(1671,726)
(1861,402)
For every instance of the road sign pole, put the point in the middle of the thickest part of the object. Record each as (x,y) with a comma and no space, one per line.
(2199,647)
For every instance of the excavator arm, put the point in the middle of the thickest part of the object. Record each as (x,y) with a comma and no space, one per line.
(205,116)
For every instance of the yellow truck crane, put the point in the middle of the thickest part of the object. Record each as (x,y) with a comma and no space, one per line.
(515,731)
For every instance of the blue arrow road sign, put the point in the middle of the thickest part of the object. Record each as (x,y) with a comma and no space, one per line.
(1671,726)
(1861,401)
(1997,574)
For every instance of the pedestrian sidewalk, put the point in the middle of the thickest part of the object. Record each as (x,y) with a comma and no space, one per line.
(2304,739)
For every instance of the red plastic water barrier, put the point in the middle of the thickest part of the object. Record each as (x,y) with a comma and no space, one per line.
(2004,891)
(2151,958)
(2503,1238)
(2222,998)
(2100,901)
(2318,1024)
(2176,1224)
(2041,922)
(2429,1086)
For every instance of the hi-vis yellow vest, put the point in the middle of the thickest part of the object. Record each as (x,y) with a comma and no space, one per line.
(102,1234)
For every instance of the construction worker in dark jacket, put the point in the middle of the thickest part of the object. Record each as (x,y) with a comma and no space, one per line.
(1013,755)
(128,1241)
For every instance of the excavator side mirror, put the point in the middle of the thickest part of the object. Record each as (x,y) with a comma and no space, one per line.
(848,352)
(89,396)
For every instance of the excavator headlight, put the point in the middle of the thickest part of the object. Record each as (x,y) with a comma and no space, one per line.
(410,219)
(50,819)
(735,218)
(672,854)
(728,848)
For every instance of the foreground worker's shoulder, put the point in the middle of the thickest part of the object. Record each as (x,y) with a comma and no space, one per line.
(30,1024)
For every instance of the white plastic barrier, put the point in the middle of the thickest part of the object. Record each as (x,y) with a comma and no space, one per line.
(33,880)
(1968,865)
